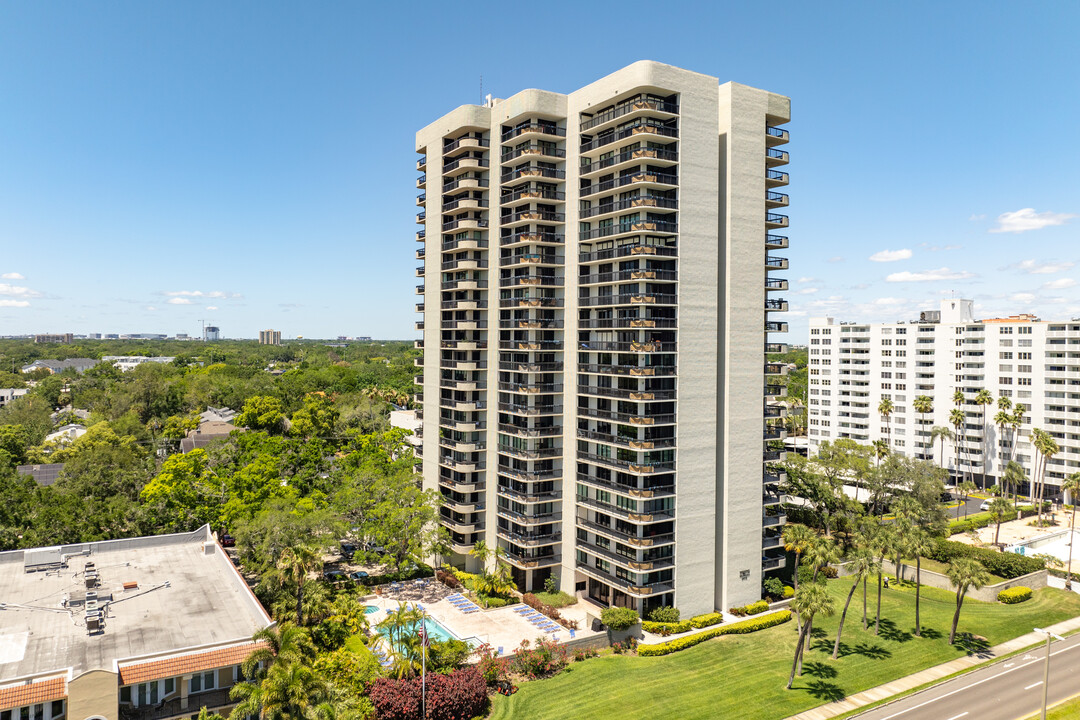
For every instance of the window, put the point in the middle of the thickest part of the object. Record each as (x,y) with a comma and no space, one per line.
(125,697)
(57,708)
(1005,356)
(1023,330)
(1005,331)
(202,683)
(1023,381)
(170,686)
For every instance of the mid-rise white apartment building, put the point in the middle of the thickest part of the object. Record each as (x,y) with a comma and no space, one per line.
(596,310)
(1034,363)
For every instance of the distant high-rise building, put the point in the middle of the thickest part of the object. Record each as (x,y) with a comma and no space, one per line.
(211,332)
(61,338)
(269,337)
(596,305)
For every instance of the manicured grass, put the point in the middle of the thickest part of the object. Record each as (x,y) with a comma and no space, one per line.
(744,675)
(1068,710)
(938,567)
(556,600)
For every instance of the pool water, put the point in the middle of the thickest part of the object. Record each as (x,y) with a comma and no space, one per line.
(435,631)
(369,609)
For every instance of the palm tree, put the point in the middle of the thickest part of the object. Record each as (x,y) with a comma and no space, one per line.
(1071,486)
(400,639)
(1014,475)
(881,451)
(958,400)
(797,539)
(812,599)
(924,404)
(918,542)
(884,542)
(965,573)
(885,409)
(956,417)
(286,642)
(1046,447)
(1016,421)
(290,691)
(481,552)
(295,564)
(821,553)
(942,433)
(966,488)
(999,508)
(862,565)
(1002,419)
(983,398)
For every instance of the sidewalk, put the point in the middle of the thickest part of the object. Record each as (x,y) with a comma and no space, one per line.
(882,692)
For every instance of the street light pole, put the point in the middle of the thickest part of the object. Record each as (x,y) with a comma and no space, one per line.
(1046,669)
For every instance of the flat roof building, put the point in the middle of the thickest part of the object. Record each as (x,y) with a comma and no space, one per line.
(61,338)
(596,302)
(269,337)
(155,626)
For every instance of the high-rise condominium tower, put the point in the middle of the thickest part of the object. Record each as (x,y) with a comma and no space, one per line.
(597,311)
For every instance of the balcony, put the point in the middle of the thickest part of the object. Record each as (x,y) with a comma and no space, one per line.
(649,226)
(532,194)
(625,585)
(630,370)
(420,325)
(628,275)
(635,540)
(532,236)
(643,127)
(421,164)
(628,299)
(465,263)
(533,128)
(629,323)
(419,289)
(465,183)
(774,221)
(531,302)
(524,217)
(421,235)
(531,367)
(463,165)
(646,346)
(644,179)
(531,388)
(638,104)
(465,224)
(530,410)
(532,281)
(420,271)
(421,199)
(775,242)
(775,178)
(628,443)
(651,490)
(776,263)
(654,156)
(775,199)
(629,419)
(214,701)
(532,259)
(629,251)
(530,539)
(610,205)
(465,243)
(774,284)
(466,143)
(421,218)
(775,136)
(627,394)
(775,369)
(539,151)
(532,171)
(775,347)
(776,305)
(421,182)
(774,157)
(465,203)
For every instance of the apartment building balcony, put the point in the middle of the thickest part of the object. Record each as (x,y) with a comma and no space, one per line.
(537,539)
(532,259)
(421,199)
(465,224)
(643,128)
(419,289)
(775,391)
(775,178)
(631,563)
(469,304)
(524,431)
(773,521)
(420,271)
(466,202)
(773,432)
(775,242)
(653,487)
(530,237)
(418,362)
(538,151)
(775,369)
(532,171)
(629,323)
(421,182)
(775,136)
(656,157)
(531,562)
(641,418)
(531,388)
(461,466)
(421,235)
(531,367)
(628,443)
(645,178)
(471,385)
(464,183)
(532,324)
(470,425)
(638,591)
(638,105)
(779,305)
(533,131)
(533,345)
(612,533)
(773,262)
(628,299)
(775,199)
(770,542)
(464,263)
(607,278)
(628,250)
(532,193)
(469,344)
(529,498)
(774,157)
(645,346)
(774,221)
(529,476)
(462,165)
(531,302)
(214,701)
(528,216)
(421,218)
(463,405)
(630,370)
(773,563)
(773,284)
(527,520)
(462,526)
(625,394)
(611,206)
(465,365)
(774,411)
(419,324)
(465,446)
(775,347)
(776,327)
(466,243)
(464,284)
(523,410)
(653,226)
(774,476)
(466,143)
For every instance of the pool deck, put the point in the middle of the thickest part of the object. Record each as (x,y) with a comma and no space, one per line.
(500,628)
(1018,531)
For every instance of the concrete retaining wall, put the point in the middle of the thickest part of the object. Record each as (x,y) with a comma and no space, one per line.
(988,593)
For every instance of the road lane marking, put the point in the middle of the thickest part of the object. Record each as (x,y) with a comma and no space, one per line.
(957,717)
(1033,685)
(980,682)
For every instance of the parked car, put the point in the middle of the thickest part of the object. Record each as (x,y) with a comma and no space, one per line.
(333,575)
(227,540)
(348,550)
(358,576)
(985,505)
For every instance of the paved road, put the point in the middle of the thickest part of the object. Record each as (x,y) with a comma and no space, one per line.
(1006,690)
(973,504)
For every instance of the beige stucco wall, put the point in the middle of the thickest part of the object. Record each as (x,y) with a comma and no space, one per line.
(94,694)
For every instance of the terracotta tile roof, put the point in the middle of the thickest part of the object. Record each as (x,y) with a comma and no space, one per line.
(35,692)
(183,664)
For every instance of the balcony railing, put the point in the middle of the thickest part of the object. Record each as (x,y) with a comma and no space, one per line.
(650,226)
(641,201)
(533,149)
(532,171)
(626,275)
(640,154)
(533,194)
(626,394)
(629,250)
(629,299)
(533,236)
(638,128)
(542,128)
(638,177)
(627,107)
(534,216)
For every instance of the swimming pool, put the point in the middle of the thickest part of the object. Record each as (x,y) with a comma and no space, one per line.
(435,630)
(1056,544)
(369,609)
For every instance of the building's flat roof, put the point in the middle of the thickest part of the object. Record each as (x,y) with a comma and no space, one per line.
(185,599)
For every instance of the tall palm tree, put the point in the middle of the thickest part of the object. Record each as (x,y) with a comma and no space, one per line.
(821,553)
(958,400)
(983,398)
(295,564)
(884,542)
(885,409)
(965,573)
(942,433)
(399,638)
(999,508)
(481,552)
(1046,448)
(918,542)
(285,641)
(289,691)
(797,539)
(924,404)
(811,600)
(1014,475)
(862,564)
(956,417)
(1016,421)
(1071,486)
(1002,418)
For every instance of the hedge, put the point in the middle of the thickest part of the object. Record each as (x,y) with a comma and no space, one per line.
(740,628)
(1004,565)
(674,628)
(754,608)
(619,618)
(1013,595)
(985,519)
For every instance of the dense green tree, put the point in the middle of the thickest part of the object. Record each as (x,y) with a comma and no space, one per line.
(263,412)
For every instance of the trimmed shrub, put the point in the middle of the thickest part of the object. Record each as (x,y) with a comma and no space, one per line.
(1004,565)
(700,621)
(752,609)
(789,592)
(739,628)
(664,614)
(1013,595)
(447,579)
(618,618)
(773,587)
(462,693)
(544,658)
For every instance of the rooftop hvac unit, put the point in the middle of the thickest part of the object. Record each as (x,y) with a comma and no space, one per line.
(208,547)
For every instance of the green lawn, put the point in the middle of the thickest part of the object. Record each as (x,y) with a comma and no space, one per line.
(1068,710)
(556,600)
(744,675)
(938,567)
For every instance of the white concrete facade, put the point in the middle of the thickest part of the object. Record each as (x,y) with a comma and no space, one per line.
(853,366)
(595,323)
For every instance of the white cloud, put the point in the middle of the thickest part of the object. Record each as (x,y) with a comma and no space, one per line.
(1023,297)
(12,276)
(891,255)
(973,218)
(1059,284)
(151,308)
(806,279)
(1027,219)
(211,307)
(805,291)
(199,293)
(1034,268)
(929,275)
(836,259)
(14,303)
(17,291)
(891,301)
(178,301)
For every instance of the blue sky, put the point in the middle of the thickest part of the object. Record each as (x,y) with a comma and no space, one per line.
(252,163)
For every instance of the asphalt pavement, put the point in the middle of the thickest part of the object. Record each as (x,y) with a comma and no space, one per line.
(1006,690)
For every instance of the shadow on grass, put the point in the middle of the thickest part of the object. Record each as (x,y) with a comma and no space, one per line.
(827,691)
(874,652)
(820,670)
(931,634)
(890,632)
(974,645)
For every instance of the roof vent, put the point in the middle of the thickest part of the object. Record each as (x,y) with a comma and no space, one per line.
(208,547)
